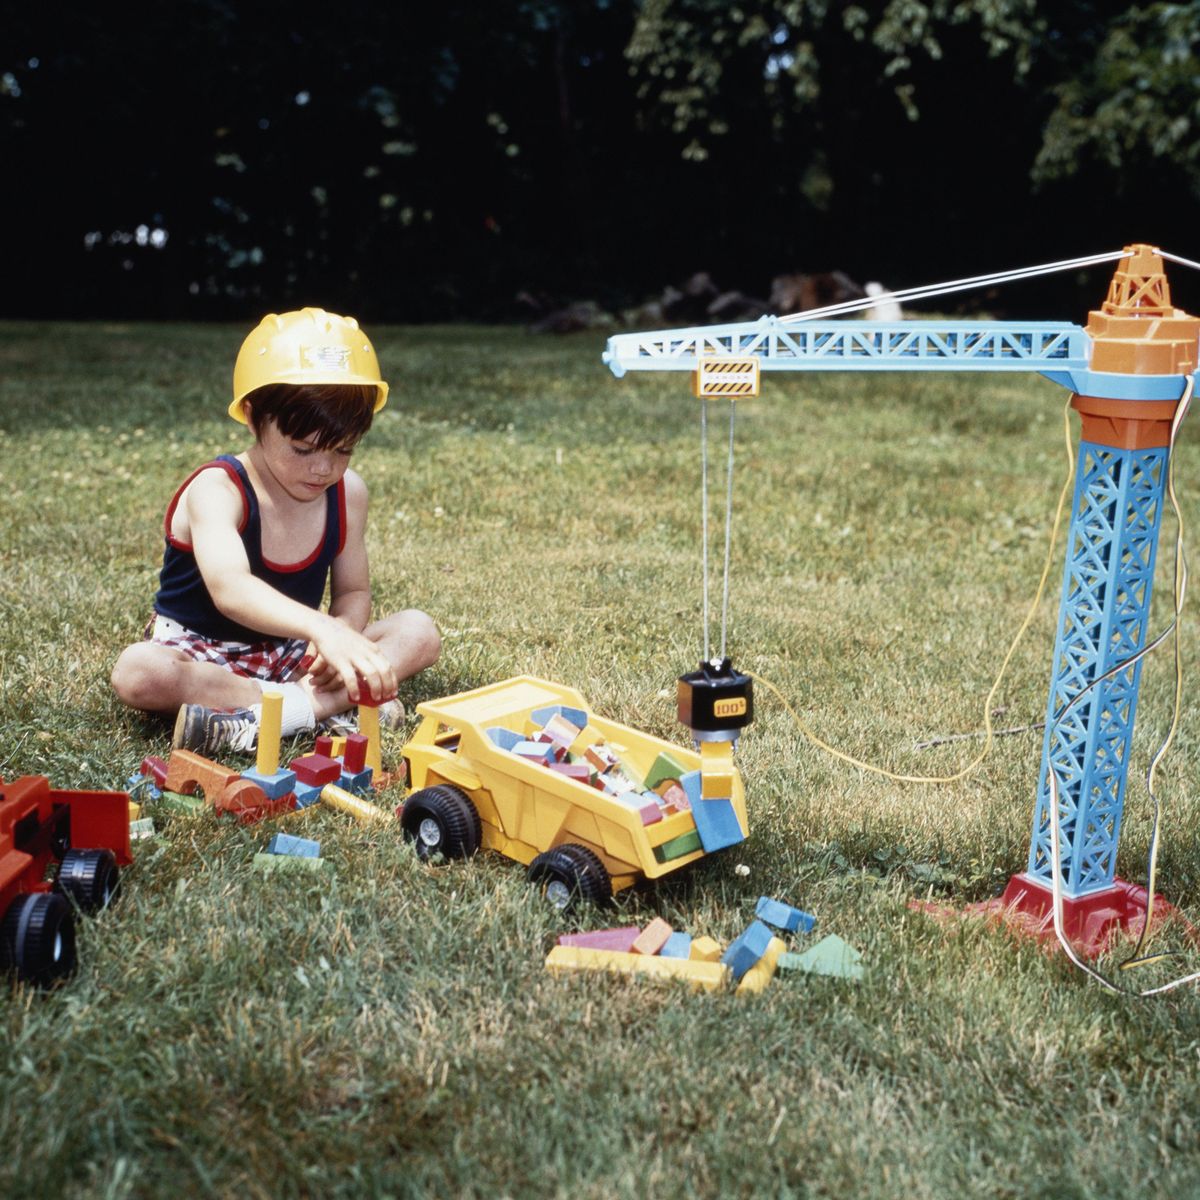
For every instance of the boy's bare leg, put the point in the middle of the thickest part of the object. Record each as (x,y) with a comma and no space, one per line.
(409,640)
(157,678)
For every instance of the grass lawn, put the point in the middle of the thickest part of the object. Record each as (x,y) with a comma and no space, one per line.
(392,1031)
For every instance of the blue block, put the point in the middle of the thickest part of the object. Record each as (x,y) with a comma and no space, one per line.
(678,945)
(357,782)
(784,916)
(576,716)
(506,739)
(534,750)
(144,787)
(690,782)
(747,948)
(308,793)
(278,784)
(717,824)
(298,847)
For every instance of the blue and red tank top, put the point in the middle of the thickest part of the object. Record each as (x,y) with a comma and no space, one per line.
(182,594)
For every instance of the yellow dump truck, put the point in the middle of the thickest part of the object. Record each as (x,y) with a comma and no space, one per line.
(470,786)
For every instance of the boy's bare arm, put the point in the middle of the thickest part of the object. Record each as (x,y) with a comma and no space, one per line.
(214,510)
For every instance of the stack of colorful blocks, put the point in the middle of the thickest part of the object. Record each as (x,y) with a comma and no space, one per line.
(749,962)
(561,741)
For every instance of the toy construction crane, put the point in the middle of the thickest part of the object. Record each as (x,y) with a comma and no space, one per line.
(1128,370)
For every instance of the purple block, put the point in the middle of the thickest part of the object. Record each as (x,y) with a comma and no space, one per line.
(604,939)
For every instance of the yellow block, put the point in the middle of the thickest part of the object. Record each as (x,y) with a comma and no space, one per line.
(763,971)
(344,801)
(368,726)
(135,810)
(269,726)
(716,770)
(337,746)
(705,949)
(699,975)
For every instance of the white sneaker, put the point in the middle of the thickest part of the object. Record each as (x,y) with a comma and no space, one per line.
(208,730)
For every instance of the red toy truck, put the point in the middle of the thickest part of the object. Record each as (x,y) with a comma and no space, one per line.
(87,835)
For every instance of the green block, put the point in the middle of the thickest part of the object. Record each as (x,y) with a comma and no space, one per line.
(290,862)
(177,802)
(677,847)
(830,956)
(665,767)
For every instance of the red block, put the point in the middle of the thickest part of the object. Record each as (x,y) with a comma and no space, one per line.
(579,771)
(316,769)
(355,756)
(156,768)
(603,939)
(324,746)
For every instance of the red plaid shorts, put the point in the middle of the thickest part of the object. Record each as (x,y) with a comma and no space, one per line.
(275,660)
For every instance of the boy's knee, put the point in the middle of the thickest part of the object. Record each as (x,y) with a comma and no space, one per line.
(140,677)
(425,638)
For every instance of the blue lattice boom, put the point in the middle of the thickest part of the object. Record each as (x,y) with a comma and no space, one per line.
(1107,585)
(780,345)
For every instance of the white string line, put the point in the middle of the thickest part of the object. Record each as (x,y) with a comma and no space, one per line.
(955,285)
(704,512)
(728,528)
(1187,262)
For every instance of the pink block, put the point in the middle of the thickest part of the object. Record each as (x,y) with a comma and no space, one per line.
(604,939)
(578,771)
(650,813)
(653,938)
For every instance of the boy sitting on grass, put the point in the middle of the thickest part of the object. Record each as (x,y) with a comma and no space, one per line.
(251,541)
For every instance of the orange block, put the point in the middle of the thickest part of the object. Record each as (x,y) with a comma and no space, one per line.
(653,938)
(187,771)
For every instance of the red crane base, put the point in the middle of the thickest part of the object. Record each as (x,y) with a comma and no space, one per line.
(1089,922)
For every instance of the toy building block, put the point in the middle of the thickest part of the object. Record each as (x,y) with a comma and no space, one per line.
(830,956)
(135,810)
(763,971)
(141,828)
(323,745)
(270,724)
(315,769)
(678,945)
(180,803)
(664,769)
(677,847)
(783,916)
(506,739)
(539,752)
(286,843)
(600,757)
(187,771)
(245,800)
(561,731)
(337,746)
(308,794)
(368,726)
(354,758)
(717,824)
(155,768)
(358,782)
(716,770)
(701,975)
(705,949)
(673,796)
(747,948)
(289,862)
(577,771)
(653,938)
(143,786)
(343,801)
(276,785)
(603,939)
(541,717)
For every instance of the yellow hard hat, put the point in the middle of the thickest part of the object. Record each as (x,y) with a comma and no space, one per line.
(309,346)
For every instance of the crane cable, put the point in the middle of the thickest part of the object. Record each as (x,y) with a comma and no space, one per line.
(704,526)
(1047,564)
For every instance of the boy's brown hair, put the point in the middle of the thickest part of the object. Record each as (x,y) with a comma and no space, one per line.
(338,413)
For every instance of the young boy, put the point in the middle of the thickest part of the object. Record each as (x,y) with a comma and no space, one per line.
(252,540)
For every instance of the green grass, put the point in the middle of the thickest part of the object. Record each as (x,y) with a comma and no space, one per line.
(392,1031)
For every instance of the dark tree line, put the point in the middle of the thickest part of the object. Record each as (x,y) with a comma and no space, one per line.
(431,161)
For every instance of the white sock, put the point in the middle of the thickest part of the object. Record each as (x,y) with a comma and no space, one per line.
(297,708)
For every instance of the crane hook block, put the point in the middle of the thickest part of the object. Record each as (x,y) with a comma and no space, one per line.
(715,699)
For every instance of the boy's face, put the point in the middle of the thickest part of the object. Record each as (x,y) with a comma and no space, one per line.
(297,465)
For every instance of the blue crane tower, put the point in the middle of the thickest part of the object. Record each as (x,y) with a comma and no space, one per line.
(1128,370)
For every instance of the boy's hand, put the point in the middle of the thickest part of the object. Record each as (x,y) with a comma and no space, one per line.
(324,678)
(344,657)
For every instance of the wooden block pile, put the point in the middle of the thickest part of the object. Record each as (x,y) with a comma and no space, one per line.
(748,964)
